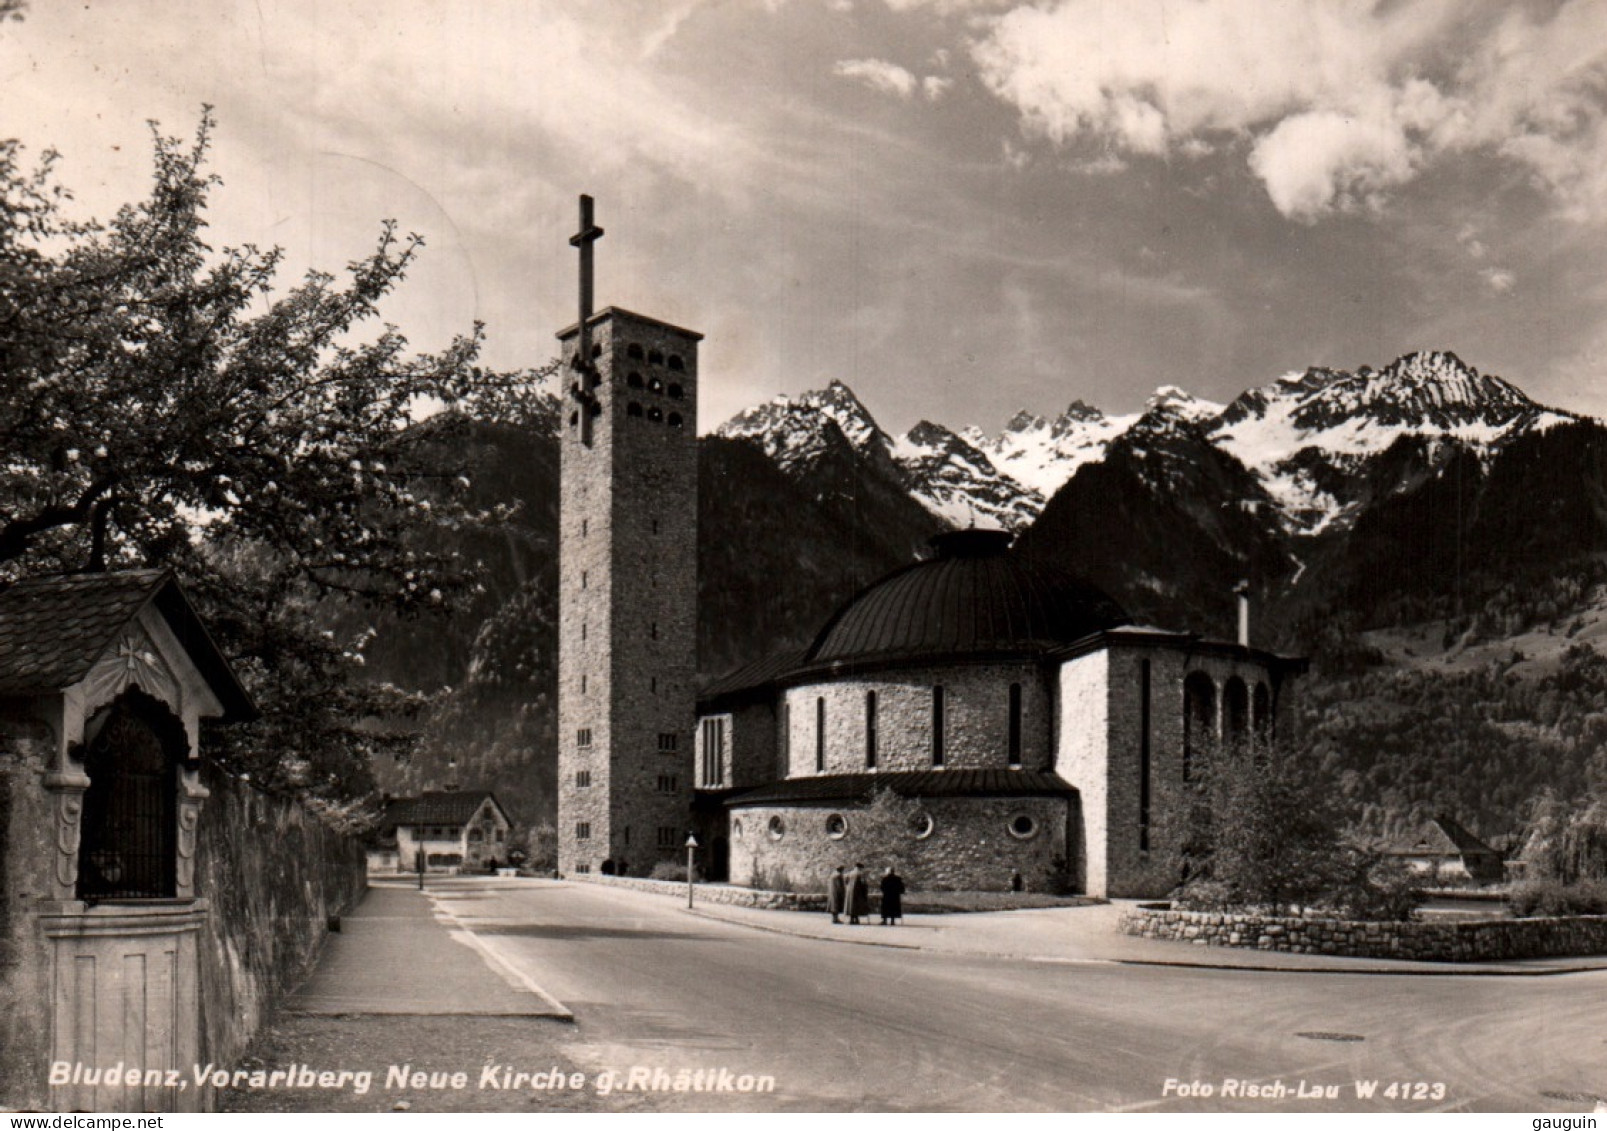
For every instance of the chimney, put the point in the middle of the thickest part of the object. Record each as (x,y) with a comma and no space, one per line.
(452,768)
(1242,592)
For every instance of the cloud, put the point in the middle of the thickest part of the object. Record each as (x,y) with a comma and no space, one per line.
(878,74)
(1335,104)
(1499,280)
(935,87)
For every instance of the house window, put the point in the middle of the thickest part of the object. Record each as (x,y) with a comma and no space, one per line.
(675,420)
(582,779)
(1236,711)
(634,351)
(1014,747)
(713,766)
(836,826)
(870,730)
(654,357)
(668,835)
(652,630)
(937,725)
(583,736)
(667,783)
(635,382)
(128,847)
(820,735)
(667,742)
(676,392)
(501,833)
(676,364)
(582,830)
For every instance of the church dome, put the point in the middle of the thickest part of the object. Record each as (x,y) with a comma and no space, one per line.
(972,598)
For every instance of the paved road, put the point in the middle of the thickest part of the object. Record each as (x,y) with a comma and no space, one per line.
(861,1027)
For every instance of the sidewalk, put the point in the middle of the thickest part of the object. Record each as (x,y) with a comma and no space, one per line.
(1074,935)
(395,954)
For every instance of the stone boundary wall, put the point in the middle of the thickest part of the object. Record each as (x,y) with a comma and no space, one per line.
(713,893)
(1465,940)
(275,876)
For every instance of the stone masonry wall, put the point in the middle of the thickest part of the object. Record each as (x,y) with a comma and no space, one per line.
(275,876)
(976,719)
(970,847)
(1483,940)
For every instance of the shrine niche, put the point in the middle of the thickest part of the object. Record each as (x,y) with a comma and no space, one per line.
(104,681)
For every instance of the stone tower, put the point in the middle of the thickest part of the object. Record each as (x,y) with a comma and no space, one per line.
(627,579)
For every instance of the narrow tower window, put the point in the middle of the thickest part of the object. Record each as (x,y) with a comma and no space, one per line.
(937,725)
(1143,756)
(1015,725)
(820,735)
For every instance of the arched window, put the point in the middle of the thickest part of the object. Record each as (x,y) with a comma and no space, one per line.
(1235,713)
(654,357)
(574,419)
(596,350)
(633,409)
(870,730)
(937,725)
(128,847)
(676,392)
(674,420)
(634,380)
(676,364)
(1199,722)
(634,352)
(1014,739)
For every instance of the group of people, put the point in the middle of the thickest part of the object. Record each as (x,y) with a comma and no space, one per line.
(848,893)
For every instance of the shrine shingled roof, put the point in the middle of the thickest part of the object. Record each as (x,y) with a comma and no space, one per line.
(53,629)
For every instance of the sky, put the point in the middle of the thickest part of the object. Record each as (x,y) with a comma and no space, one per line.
(961,208)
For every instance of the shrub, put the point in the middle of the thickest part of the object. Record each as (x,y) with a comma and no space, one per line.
(1546,898)
(1377,890)
(775,878)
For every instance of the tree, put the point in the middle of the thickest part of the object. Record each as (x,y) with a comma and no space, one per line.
(1264,832)
(164,404)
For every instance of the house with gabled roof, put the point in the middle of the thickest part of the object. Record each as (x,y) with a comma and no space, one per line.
(1444,850)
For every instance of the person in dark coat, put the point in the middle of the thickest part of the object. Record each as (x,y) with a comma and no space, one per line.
(836,894)
(892,897)
(858,894)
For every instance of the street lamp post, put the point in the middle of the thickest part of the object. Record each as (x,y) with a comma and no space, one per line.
(691,849)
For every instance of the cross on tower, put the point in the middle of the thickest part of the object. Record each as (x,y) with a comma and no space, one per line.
(586,372)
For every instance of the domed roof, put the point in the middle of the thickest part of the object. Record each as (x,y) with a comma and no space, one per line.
(971,598)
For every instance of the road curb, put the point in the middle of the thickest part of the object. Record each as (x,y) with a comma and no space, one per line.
(1174,963)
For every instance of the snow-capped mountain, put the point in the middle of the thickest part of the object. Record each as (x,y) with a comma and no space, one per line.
(1308,438)
(957,482)
(945,474)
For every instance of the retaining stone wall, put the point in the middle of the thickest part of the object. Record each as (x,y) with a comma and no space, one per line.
(1477,940)
(275,875)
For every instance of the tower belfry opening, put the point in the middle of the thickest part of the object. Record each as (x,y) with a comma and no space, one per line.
(627,583)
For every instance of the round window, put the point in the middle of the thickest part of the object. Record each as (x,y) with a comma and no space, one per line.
(1023,827)
(921,825)
(836,826)
(777,828)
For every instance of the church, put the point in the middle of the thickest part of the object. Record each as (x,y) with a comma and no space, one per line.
(1032,734)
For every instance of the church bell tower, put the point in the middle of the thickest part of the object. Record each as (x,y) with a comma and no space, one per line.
(627,580)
